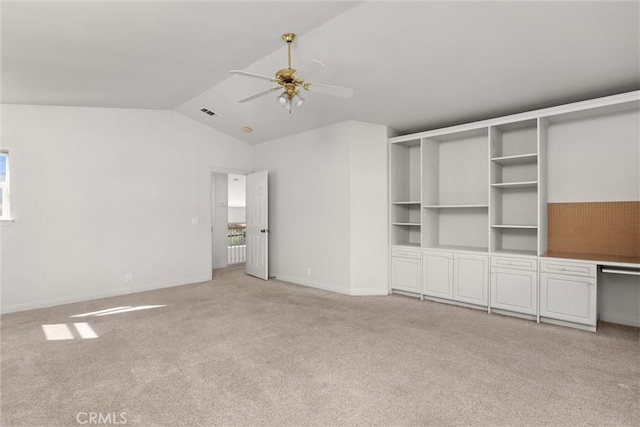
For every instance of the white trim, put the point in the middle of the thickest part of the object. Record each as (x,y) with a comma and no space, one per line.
(99,295)
(5,188)
(523,316)
(214,170)
(529,115)
(311,284)
(454,302)
(368,293)
(568,324)
(620,319)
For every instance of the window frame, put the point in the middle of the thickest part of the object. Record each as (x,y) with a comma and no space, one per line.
(5,189)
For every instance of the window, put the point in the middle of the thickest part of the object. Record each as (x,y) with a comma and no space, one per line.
(4,185)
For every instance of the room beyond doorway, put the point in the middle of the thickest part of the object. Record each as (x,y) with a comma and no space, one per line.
(228,216)
(237,215)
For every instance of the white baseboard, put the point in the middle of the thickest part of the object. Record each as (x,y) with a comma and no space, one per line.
(369,292)
(98,295)
(620,319)
(332,288)
(311,284)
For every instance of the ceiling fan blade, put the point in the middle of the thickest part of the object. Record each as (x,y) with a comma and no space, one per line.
(255,76)
(312,67)
(259,94)
(343,92)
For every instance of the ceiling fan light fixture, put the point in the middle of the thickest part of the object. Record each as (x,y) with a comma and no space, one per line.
(297,100)
(292,80)
(283,99)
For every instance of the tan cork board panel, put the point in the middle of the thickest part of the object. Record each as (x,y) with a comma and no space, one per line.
(607,228)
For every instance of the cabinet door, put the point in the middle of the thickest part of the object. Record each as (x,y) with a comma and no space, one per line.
(568,298)
(470,279)
(405,274)
(514,290)
(437,274)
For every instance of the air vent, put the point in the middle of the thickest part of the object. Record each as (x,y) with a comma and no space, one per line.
(209,112)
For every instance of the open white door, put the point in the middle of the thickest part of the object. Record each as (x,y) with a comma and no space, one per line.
(258,225)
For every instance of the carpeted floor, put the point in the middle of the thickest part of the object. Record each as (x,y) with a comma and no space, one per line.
(240,351)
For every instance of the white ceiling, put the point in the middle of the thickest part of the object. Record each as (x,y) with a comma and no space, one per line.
(413,65)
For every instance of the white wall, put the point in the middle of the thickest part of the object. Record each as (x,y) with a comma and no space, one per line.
(237,214)
(101,193)
(596,159)
(327,207)
(237,198)
(369,207)
(219,219)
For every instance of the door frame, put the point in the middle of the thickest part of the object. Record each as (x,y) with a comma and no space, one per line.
(214,170)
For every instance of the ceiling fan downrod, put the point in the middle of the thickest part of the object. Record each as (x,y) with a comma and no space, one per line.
(289,38)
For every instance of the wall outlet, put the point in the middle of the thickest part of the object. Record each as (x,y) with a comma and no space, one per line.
(128,278)
(309,271)
(195,220)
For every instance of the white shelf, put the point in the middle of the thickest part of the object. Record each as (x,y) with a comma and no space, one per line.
(514,226)
(516,160)
(405,203)
(457,248)
(417,224)
(516,184)
(514,252)
(454,206)
(407,244)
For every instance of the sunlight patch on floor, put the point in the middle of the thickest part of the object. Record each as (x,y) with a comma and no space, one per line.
(61,331)
(57,332)
(85,331)
(118,310)
(93,313)
(128,309)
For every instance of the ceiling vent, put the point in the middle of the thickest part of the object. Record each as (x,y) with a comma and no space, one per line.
(209,112)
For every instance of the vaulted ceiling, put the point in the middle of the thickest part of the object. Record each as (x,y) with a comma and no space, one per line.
(413,65)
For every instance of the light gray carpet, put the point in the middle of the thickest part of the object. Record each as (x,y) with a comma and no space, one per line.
(240,351)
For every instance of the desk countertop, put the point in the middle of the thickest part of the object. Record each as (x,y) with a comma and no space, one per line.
(612,260)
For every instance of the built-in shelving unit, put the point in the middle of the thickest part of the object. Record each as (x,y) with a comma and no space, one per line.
(454,206)
(514,187)
(524,184)
(454,190)
(516,160)
(468,204)
(405,169)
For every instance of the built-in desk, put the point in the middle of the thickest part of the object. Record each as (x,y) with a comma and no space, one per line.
(569,285)
(602,260)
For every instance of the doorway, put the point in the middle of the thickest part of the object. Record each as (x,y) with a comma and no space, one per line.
(228,219)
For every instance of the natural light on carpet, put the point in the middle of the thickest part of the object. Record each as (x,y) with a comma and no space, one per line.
(60,331)
(117,310)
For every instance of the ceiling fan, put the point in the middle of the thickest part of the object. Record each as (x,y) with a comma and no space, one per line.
(291,80)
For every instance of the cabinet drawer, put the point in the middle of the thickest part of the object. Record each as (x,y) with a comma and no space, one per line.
(517,263)
(572,268)
(405,253)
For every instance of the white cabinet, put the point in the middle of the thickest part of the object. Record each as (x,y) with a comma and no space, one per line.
(437,274)
(514,290)
(470,279)
(568,291)
(514,284)
(406,270)
(463,194)
(454,276)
